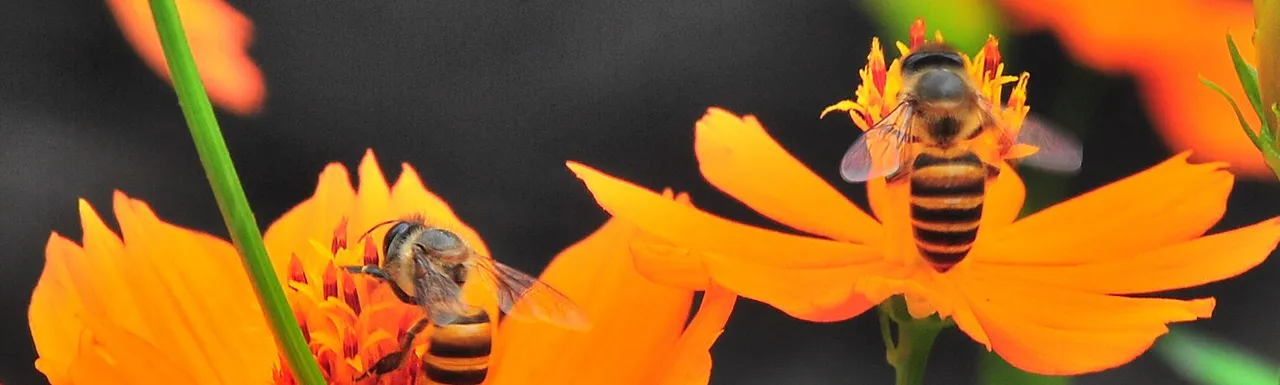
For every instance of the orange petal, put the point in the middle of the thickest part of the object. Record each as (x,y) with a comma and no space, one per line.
(1172,267)
(1052,331)
(738,157)
(112,355)
(1005,197)
(691,359)
(667,263)
(704,232)
(634,322)
(55,296)
(219,37)
(199,284)
(1169,203)
(313,220)
(410,196)
(373,198)
(816,294)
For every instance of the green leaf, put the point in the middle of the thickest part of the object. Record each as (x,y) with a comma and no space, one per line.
(1209,361)
(1239,115)
(230,195)
(994,370)
(964,24)
(1249,80)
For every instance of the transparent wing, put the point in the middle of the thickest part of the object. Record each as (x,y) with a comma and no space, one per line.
(527,298)
(1059,151)
(878,152)
(439,295)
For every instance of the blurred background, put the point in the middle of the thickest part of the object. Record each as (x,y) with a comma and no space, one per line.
(488,98)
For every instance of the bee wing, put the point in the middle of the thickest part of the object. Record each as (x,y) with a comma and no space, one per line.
(878,152)
(527,298)
(1058,151)
(439,295)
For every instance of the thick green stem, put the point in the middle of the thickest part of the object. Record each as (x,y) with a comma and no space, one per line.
(909,352)
(230,195)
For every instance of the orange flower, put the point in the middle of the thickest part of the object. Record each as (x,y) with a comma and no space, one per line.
(1048,292)
(219,38)
(1164,45)
(170,304)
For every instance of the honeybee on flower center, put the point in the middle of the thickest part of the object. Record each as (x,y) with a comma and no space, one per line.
(928,142)
(428,266)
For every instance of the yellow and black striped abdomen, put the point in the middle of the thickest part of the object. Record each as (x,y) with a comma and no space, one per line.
(947,190)
(458,353)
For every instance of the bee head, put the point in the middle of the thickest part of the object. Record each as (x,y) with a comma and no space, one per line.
(938,74)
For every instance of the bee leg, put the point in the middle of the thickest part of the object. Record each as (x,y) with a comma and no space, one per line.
(377,272)
(895,177)
(373,270)
(392,361)
(992,171)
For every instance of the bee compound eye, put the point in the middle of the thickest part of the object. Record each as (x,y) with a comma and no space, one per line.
(396,232)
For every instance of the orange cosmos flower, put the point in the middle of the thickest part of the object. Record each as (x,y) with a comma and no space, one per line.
(170,304)
(219,37)
(1049,293)
(1164,45)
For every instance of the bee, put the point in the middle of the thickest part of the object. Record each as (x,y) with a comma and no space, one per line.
(428,266)
(927,140)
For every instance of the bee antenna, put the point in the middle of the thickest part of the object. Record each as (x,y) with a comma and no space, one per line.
(375,227)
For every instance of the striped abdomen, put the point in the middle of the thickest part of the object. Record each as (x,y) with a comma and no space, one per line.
(947,190)
(458,353)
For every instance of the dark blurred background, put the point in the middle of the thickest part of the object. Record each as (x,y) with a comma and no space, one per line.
(488,99)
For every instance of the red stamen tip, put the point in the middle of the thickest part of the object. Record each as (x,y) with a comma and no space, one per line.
(370,253)
(350,345)
(296,272)
(917,33)
(339,236)
(349,294)
(992,52)
(330,282)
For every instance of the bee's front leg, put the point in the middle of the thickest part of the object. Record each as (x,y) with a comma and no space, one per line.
(377,272)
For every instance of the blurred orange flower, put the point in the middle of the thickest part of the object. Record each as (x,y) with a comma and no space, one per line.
(171,304)
(219,36)
(1164,45)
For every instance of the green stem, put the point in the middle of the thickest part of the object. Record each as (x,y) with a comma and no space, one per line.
(909,352)
(229,194)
